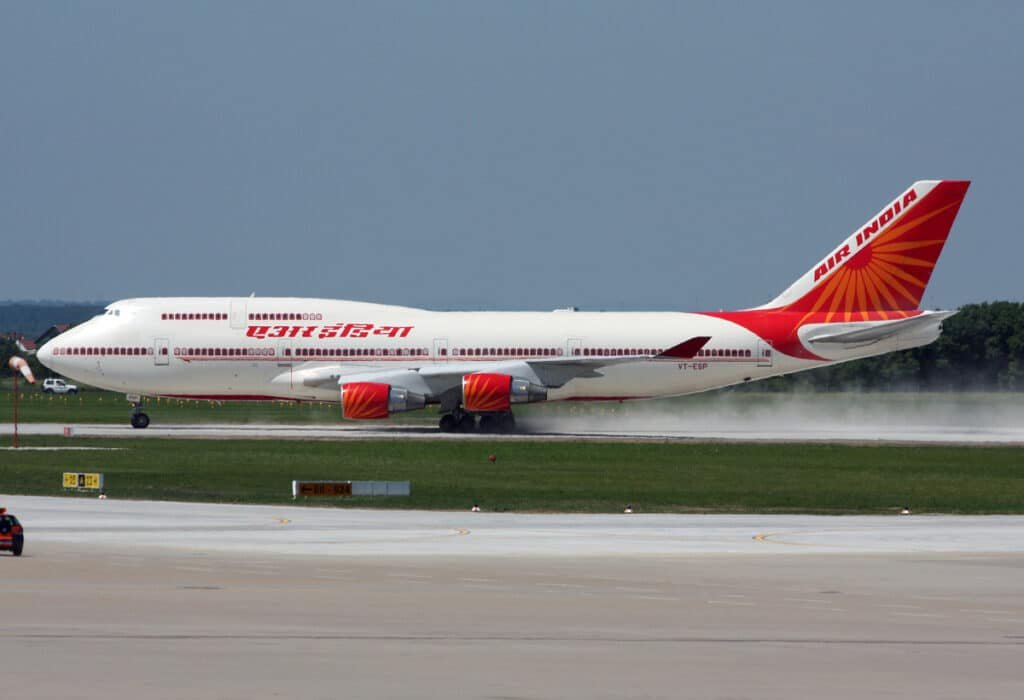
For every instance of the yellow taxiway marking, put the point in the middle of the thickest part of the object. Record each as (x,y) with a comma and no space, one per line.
(771,537)
(283,521)
(764,537)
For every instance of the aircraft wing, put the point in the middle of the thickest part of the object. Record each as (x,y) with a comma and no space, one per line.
(437,378)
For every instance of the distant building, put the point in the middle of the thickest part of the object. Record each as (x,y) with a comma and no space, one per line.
(50,333)
(24,345)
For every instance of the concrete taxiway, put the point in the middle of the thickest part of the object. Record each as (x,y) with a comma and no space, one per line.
(122,599)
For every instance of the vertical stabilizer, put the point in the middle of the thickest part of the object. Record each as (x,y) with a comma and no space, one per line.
(885,265)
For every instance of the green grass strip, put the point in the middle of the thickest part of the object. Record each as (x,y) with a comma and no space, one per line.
(545,476)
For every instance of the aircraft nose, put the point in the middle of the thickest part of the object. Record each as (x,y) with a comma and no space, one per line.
(45,355)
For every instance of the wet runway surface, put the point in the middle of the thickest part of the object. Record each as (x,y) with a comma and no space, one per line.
(120,599)
(566,431)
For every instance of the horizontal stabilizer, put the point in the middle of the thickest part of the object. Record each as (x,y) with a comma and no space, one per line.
(863,334)
(686,349)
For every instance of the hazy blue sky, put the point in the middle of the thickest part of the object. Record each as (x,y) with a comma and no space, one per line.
(496,155)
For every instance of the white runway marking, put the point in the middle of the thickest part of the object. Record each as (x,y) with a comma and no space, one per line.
(68,448)
(729,602)
(812,601)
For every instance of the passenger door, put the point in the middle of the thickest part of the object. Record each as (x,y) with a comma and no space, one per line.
(238,318)
(440,349)
(572,347)
(161,351)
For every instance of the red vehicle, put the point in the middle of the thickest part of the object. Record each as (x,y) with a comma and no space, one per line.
(12,534)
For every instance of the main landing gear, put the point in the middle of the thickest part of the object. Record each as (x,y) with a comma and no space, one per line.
(498,423)
(460,421)
(139,418)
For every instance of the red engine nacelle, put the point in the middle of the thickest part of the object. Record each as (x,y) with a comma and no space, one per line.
(368,400)
(488,393)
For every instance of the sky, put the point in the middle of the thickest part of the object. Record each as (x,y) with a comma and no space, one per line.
(495,155)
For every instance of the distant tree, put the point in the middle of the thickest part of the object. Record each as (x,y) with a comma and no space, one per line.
(981,348)
(8,348)
(32,318)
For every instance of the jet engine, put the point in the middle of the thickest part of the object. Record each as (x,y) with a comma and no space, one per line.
(366,400)
(485,393)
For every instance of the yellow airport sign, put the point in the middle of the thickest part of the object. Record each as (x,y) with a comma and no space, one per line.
(83,480)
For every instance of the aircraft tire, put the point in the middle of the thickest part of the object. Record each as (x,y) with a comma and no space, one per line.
(508,423)
(447,424)
(140,420)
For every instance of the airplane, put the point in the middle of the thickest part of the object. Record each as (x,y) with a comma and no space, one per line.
(860,300)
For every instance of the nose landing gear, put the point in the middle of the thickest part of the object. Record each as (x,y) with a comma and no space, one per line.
(139,418)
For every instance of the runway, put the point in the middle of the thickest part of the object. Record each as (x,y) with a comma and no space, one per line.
(834,417)
(566,430)
(121,599)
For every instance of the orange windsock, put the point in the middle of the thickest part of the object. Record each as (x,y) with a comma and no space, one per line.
(18,364)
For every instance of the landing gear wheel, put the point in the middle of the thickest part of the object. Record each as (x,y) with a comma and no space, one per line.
(467,423)
(498,423)
(139,418)
(448,423)
(508,424)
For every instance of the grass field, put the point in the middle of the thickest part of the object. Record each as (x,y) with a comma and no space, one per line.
(547,476)
(106,407)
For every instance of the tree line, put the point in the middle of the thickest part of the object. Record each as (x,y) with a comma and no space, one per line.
(981,349)
(32,318)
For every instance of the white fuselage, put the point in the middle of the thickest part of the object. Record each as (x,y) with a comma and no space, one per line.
(238,348)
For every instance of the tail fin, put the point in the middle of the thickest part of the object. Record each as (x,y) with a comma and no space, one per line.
(885,265)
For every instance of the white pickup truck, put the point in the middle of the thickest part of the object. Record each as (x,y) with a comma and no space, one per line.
(53,385)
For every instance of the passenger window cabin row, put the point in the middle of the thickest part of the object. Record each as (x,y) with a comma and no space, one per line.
(488,353)
(194,316)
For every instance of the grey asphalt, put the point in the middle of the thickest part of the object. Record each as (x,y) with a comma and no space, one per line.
(566,430)
(120,599)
